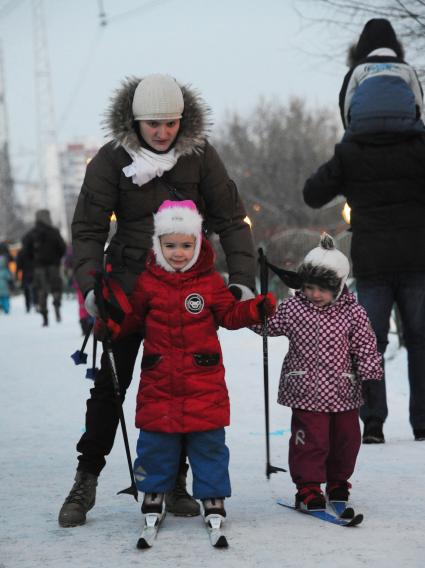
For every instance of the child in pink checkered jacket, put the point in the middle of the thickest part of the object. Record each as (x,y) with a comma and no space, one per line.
(332,350)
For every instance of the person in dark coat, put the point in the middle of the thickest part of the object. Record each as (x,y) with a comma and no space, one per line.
(179,301)
(380,92)
(44,247)
(383,180)
(159,150)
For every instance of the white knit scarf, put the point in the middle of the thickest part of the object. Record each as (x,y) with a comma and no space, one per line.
(147,165)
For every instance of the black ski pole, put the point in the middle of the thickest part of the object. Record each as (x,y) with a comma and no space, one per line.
(107,348)
(132,490)
(264,284)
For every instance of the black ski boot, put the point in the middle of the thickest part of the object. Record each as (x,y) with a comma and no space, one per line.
(45,319)
(310,497)
(80,500)
(179,502)
(153,503)
(214,506)
(338,490)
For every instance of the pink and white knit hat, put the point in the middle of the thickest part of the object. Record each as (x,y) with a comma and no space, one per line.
(176,217)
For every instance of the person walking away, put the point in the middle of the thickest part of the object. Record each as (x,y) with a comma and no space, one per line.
(45,247)
(381,92)
(382,177)
(332,353)
(158,150)
(179,300)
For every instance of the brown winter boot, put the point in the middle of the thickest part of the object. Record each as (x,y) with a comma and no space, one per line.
(80,500)
(179,502)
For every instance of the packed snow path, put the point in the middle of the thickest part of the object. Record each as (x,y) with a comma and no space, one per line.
(43,405)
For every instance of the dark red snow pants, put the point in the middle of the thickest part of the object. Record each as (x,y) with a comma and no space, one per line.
(323,446)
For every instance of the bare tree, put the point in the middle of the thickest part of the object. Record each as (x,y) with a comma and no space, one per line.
(407,17)
(270,154)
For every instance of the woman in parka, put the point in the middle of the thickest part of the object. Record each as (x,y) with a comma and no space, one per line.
(158,151)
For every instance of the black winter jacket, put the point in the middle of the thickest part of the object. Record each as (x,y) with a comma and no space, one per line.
(43,245)
(384,184)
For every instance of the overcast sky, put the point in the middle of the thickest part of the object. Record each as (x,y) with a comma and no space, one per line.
(233,51)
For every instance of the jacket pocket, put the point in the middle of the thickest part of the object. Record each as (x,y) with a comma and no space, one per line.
(150,361)
(348,386)
(206,359)
(296,383)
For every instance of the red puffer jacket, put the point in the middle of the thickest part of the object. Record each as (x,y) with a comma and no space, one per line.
(182,386)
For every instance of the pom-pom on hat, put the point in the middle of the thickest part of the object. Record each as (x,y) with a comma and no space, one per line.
(177,217)
(158,97)
(325,266)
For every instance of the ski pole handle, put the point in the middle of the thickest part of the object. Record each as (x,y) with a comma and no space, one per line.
(264,284)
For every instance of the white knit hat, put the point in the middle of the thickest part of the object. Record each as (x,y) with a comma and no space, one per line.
(325,265)
(158,97)
(177,217)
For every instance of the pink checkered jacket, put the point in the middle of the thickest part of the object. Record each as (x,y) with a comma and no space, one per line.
(331,350)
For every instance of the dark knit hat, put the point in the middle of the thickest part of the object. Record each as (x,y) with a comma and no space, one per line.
(377,33)
(325,266)
(43,216)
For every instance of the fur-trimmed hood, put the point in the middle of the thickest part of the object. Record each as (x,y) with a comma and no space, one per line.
(194,127)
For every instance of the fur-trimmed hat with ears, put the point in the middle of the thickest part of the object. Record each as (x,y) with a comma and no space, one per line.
(325,266)
(177,217)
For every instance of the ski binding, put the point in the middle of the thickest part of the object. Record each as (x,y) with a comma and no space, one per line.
(217,538)
(150,530)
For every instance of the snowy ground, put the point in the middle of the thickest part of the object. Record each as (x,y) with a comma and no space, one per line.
(43,403)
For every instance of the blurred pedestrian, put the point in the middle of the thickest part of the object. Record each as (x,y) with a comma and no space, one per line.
(5,284)
(45,247)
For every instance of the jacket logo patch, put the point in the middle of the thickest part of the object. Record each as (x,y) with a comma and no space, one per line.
(194,303)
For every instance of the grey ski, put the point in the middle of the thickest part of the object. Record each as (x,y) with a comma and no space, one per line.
(150,529)
(213,524)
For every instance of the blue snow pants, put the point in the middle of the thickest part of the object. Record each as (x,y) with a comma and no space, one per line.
(5,304)
(158,458)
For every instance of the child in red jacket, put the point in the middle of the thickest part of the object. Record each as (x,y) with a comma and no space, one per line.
(179,301)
